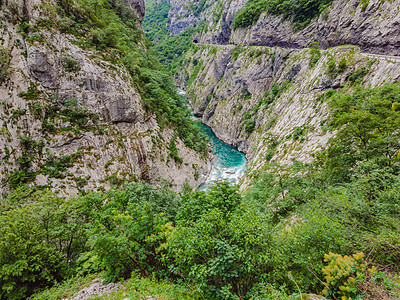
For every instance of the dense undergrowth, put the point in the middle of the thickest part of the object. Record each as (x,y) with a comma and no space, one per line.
(300,12)
(331,227)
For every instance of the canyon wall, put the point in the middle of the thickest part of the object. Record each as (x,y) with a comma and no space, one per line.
(271,102)
(73,121)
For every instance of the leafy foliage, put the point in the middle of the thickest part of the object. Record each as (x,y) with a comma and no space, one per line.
(300,12)
(5,60)
(217,246)
(342,274)
(41,237)
(368,123)
(155,20)
(171,51)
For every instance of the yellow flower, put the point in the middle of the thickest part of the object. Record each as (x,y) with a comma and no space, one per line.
(372,270)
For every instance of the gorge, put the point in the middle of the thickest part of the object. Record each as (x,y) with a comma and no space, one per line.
(102,158)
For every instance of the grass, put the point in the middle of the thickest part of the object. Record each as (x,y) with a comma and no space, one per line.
(134,288)
(67,289)
(141,288)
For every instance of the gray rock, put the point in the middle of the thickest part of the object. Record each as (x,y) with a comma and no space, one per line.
(374,28)
(227,89)
(95,289)
(130,144)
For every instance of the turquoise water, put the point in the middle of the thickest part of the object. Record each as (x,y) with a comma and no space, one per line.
(228,164)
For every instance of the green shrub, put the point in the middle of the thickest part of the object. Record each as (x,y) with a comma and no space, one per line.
(5,60)
(70,64)
(156,19)
(297,132)
(358,75)
(41,236)
(31,94)
(236,52)
(300,13)
(342,66)
(250,126)
(364,120)
(224,249)
(315,54)
(173,151)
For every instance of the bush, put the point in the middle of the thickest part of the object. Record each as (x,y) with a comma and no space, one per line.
(70,64)
(250,126)
(41,237)
(358,75)
(128,229)
(217,247)
(315,55)
(301,13)
(5,60)
(343,273)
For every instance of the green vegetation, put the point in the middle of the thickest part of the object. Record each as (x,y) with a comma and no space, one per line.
(70,64)
(300,12)
(5,60)
(368,121)
(225,246)
(303,227)
(110,29)
(155,20)
(236,52)
(197,7)
(334,68)
(171,51)
(315,54)
(173,151)
(358,75)
(274,92)
(31,149)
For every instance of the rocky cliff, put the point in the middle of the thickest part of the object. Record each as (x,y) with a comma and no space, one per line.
(269,102)
(260,88)
(372,25)
(137,7)
(72,120)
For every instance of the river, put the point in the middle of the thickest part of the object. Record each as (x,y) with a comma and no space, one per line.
(228,164)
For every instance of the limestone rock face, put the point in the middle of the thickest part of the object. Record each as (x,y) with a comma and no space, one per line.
(137,6)
(180,16)
(119,140)
(267,101)
(374,28)
(219,25)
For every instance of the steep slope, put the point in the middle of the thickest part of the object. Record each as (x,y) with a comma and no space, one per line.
(270,102)
(72,115)
(372,25)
